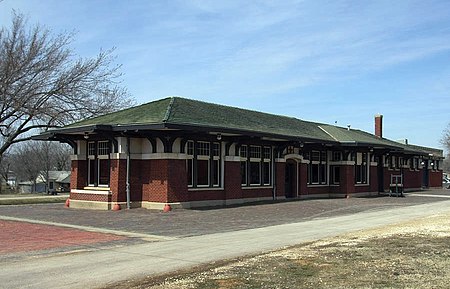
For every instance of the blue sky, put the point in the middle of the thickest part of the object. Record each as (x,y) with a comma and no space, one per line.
(325,61)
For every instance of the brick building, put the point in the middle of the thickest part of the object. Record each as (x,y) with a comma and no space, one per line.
(189,153)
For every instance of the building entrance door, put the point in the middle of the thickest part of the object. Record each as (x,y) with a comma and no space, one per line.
(289,180)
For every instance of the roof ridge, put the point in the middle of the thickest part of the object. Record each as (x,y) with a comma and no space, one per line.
(169,109)
(324,130)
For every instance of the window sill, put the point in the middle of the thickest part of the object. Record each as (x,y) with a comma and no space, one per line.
(205,189)
(362,185)
(256,187)
(97,188)
(91,191)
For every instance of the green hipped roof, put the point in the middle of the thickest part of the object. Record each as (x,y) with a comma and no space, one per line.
(149,113)
(182,111)
(177,110)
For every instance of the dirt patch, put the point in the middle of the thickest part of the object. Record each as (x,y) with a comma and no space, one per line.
(415,254)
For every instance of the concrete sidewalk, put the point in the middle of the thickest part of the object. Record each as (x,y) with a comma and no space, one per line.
(98,268)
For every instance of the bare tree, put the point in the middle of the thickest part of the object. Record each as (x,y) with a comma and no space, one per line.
(32,159)
(60,156)
(42,84)
(26,162)
(445,140)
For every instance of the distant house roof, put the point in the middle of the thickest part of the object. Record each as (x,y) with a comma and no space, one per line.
(56,176)
(187,114)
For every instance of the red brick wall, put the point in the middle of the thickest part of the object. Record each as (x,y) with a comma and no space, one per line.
(373,179)
(91,197)
(257,193)
(313,190)
(155,180)
(412,179)
(78,177)
(302,178)
(202,195)
(280,169)
(363,188)
(347,180)
(435,179)
(136,175)
(387,177)
(118,175)
(177,181)
(233,188)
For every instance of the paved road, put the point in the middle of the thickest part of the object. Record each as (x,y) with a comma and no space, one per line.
(96,268)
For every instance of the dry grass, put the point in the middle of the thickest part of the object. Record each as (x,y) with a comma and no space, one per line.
(410,255)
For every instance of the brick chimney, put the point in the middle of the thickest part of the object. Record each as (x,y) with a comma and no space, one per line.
(379,125)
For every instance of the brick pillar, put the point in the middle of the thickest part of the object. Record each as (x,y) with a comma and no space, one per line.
(233,187)
(117,180)
(280,169)
(79,173)
(347,180)
(303,178)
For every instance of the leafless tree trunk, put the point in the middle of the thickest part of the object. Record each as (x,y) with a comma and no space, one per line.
(42,84)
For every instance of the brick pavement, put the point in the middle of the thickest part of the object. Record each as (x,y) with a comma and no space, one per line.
(182,223)
(25,237)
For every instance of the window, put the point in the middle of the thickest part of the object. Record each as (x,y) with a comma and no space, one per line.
(267,165)
(98,163)
(256,166)
(203,164)
(290,150)
(255,152)
(202,172)
(391,162)
(243,151)
(361,168)
(335,175)
(267,153)
(203,148)
(414,163)
(317,168)
(337,156)
(244,175)
(255,173)
(190,148)
(190,172)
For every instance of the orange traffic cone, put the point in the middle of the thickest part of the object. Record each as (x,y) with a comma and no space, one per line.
(67,203)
